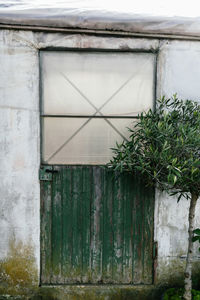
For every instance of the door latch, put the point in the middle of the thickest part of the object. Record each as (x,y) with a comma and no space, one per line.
(45,173)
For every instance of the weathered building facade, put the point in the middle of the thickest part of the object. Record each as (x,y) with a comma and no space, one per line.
(33,208)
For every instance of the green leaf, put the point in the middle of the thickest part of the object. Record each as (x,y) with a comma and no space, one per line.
(174,161)
(179,198)
(195,238)
(194,170)
(174,179)
(196,231)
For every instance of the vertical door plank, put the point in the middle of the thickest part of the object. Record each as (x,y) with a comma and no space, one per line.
(96,225)
(117,217)
(86,203)
(134,230)
(128,192)
(76,272)
(138,234)
(67,224)
(57,226)
(45,231)
(107,264)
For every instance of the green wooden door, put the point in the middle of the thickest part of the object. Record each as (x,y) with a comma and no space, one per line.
(96,227)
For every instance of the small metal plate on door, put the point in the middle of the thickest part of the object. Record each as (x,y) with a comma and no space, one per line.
(45,173)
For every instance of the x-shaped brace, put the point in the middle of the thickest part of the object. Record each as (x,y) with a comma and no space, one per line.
(97,110)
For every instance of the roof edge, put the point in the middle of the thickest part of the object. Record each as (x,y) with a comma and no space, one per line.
(116,33)
(101,22)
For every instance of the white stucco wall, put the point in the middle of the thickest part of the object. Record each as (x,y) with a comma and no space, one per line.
(178,72)
(179,69)
(19,142)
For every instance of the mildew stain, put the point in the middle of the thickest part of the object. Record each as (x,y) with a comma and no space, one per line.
(18,271)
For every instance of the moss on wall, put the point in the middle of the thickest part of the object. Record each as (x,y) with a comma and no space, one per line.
(18,272)
(19,280)
(171,272)
(100,292)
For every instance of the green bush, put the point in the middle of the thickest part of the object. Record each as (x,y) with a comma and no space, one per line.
(177,294)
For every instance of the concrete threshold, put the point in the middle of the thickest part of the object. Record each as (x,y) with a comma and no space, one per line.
(92,292)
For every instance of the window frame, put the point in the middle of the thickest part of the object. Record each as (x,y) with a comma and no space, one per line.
(88,50)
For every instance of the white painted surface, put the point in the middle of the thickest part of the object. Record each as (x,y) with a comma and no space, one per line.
(178,71)
(172,224)
(19,142)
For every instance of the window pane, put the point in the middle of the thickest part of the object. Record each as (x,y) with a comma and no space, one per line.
(81,140)
(98,83)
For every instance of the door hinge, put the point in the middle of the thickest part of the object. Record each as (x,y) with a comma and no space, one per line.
(155,250)
(45,173)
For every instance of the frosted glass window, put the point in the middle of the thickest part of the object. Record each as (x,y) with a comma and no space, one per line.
(79,83)
(81,140)
(97,96)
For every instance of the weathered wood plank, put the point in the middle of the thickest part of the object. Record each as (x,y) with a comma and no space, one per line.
(56,276)
(107,264)
(96,228)
(45,212)
(117,219)
(76,271)
(137,233)
(67,225)
(86,203)
(128,190)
